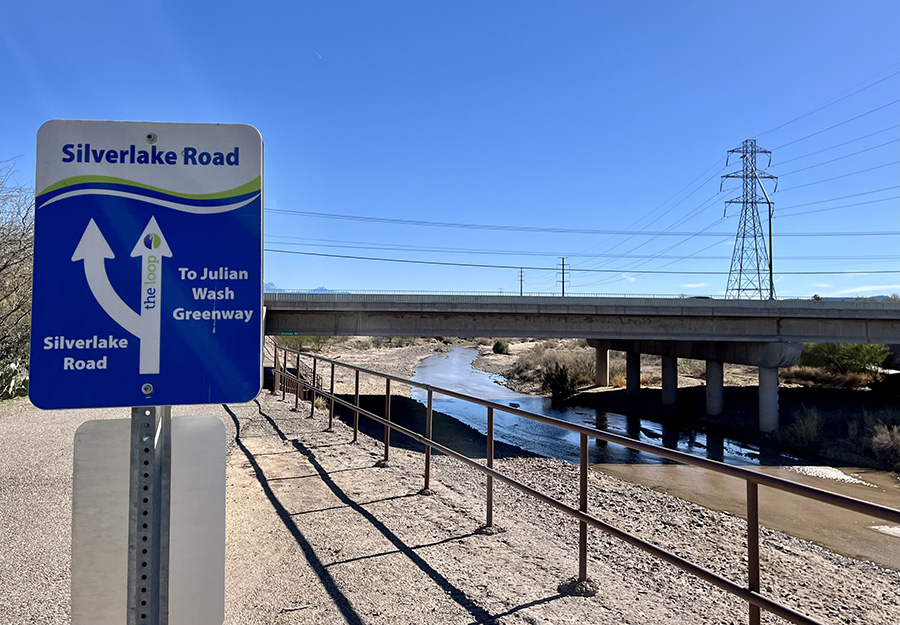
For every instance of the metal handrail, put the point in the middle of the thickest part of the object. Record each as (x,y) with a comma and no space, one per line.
(750,594)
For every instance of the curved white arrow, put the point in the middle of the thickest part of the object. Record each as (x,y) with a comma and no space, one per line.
(151,247)
(94,250)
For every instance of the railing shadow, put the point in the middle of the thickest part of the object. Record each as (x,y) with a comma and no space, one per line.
(481,615)
(328,583)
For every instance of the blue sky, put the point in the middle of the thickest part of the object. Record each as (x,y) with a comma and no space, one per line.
(567,120)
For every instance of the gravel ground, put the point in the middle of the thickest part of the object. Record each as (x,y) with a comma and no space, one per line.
(316,533)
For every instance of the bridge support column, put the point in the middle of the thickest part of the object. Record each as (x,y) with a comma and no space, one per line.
(601,368)
(715,387)
(669,380)
(768,399)
(632,372)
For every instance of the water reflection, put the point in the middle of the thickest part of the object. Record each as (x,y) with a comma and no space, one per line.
(453,370)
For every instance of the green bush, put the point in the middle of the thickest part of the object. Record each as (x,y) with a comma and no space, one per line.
(805,433)
(558,381)
(501,347)
(844,357)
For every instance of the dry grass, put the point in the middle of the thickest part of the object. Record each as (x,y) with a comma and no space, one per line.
(816,376)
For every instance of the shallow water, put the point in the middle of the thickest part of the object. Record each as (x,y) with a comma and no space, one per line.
(845,532)
(453,370)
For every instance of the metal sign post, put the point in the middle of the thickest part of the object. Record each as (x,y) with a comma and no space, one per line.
(148,516)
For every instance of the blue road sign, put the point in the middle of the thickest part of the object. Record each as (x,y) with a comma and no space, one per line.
(147,265)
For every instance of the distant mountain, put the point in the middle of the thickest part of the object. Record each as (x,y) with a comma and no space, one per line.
(873,298)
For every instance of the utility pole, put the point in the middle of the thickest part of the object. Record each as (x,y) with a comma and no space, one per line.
(751,275)
(521,281)
(563,276)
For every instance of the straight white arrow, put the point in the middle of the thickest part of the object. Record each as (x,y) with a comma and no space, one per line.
(94,250)
(152,248)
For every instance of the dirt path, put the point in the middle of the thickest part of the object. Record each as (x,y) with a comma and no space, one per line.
(330,538)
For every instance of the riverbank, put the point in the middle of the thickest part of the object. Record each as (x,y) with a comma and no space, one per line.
(836,425)
(384,554)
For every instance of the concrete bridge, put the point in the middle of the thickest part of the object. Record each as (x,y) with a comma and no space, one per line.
(765,334)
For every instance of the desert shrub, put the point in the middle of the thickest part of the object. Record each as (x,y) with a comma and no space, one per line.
(501,347)
(691,367)
(886,445)
(320,403)
(844,357)
(805,433)
(558,381)
(816,376)
(617,375)
(306,343)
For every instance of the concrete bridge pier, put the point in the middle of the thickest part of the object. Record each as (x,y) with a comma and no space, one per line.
(767,356)
(632,372)
(669,380)
(601,367)
(768,399)
(715,387)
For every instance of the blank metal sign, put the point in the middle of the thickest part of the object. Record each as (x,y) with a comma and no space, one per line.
(197,529)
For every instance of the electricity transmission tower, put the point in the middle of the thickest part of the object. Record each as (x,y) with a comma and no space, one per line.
(751,271)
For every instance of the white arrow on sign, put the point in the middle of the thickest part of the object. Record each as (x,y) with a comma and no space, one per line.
(151,247)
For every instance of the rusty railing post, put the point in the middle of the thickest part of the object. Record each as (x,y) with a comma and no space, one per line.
(753,545)
(387,417)
(275,371)
(331,402)
(297,386)
(489,521)
(356,410)
(583,506)
(428,428)
(312,397)
(281,383)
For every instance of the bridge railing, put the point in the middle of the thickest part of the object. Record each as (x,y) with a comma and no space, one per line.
(750,593)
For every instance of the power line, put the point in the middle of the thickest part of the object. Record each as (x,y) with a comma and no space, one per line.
(517,267)
(471,226)
(838,145)
(843,197)
(484,252)
(832,208)
(846,121)
(853,173)
(839,158)
(827,104)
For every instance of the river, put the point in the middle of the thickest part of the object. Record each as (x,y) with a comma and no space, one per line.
(845,532)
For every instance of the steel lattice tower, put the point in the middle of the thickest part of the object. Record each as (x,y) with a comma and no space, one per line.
(749,277)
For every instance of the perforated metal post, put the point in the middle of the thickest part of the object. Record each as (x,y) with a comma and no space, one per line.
(148,516)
